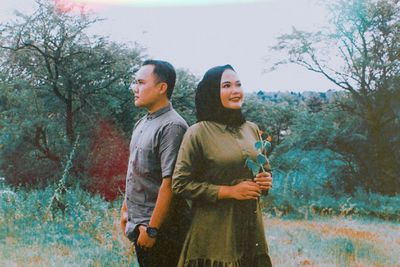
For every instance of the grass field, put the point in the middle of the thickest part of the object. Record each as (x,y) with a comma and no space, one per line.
(333,242)
(87,233)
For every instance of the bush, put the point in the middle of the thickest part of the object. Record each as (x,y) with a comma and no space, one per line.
(361,204)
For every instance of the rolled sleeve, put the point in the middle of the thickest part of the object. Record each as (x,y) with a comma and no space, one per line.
(170,142)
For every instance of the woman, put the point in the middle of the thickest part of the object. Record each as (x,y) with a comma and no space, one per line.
(227,226)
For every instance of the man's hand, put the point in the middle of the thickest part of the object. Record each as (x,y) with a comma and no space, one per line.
(144,241)
(264,180)
(124,217)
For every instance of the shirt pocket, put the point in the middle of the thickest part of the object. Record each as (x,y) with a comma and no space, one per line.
(146,161)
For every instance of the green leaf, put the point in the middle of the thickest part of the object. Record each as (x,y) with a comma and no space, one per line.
(258,145)
(261,159)
(252,166)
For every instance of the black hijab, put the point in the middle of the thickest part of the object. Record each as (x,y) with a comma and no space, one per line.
(208,100)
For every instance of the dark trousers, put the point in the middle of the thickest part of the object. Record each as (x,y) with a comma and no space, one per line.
(169,242)
(163,253)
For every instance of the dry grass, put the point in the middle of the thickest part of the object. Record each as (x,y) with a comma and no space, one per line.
(333,242)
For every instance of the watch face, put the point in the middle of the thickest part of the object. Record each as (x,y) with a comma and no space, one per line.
(152,232)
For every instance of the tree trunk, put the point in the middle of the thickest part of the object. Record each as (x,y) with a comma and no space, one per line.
(383,172)
(69,119)
(380,164)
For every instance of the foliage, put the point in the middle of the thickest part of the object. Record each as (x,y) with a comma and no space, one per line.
(273,118)
(311,190)
(184,94)
(364,38)
(262,147)
(108,154)
(56,82)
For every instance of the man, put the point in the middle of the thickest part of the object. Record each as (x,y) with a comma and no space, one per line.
(151,218)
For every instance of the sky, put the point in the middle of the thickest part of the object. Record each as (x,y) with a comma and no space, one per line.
(199,34)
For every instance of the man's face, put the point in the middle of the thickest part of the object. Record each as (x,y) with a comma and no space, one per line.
(146,87)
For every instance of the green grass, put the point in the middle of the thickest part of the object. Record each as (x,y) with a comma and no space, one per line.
(87,233)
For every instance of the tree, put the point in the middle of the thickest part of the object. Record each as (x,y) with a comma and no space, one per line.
(52,50)
(273,118)
(365,36)
(56,74)
(184,94)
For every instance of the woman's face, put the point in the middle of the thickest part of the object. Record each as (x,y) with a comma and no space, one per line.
(231,90)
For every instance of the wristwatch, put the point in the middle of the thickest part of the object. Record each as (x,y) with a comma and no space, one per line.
(152,232)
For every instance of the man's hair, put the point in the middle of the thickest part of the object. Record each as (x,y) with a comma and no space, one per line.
(165,72)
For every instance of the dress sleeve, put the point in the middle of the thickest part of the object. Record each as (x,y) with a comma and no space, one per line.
(185,180)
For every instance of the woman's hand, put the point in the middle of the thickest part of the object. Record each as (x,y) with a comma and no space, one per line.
(245,190)
(264,180)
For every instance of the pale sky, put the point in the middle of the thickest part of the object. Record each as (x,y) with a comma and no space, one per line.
(199,36)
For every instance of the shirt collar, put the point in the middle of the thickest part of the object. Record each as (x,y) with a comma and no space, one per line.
(151,116)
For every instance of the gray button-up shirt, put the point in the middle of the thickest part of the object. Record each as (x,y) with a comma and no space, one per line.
(154,147)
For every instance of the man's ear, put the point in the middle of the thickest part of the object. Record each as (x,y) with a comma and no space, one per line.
(163,88)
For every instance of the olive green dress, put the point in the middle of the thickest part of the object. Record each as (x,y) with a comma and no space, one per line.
(226,233)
